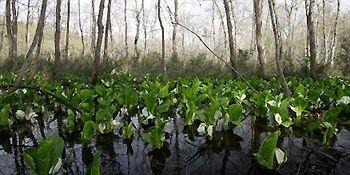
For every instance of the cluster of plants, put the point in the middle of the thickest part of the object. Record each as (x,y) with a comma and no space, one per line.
(123,105)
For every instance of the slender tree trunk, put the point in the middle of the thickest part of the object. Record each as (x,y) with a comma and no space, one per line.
(107,28)
(14,28)
(174,46)
(278,44)
(35,43)
(258,6)
(81,30)
(309,5)
(9,28)
(234,25)
(230,36)
(126,30)
(93,27)
(66,49)
(136,49)
(163,38)
(324,38)
(97,52)
(27,22)
(57,39)
(213,31)
(334,38)
(144,26)
(1,39)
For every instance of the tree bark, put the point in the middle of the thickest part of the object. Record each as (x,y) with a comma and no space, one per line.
(93,27)
(66,49)
(137,35)
(278,44)
(126,30)
(57,39)
(334,38)
(163,38)
(97,52)
(174,46)
(81,30)
(38,34)
(27,23)
(11,27)
(258,7)
(144,26)
(230,35)
(107,28)
(309,5)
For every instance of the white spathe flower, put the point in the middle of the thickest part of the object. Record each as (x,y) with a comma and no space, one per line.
(218,115)
(144,112)
(280,156)
(101,127)
(345,100)
(201,128)
(115,122)
(241,98)
(56,168)
(210,130)
(278,118)
(24,91)
(20,114)
(31,115)
(124,110)
(272,103)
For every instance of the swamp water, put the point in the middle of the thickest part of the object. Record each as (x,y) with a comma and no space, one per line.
(184,151)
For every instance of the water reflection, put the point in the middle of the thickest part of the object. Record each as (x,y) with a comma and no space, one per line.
(184,152)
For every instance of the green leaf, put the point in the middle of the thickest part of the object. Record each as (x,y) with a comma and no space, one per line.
(164,107)
(235,112)
(95,167)
(210,117)
(4,115)
(88,132)
(267,150)
(127,130)
(46,156)
(164,92)
(155,137)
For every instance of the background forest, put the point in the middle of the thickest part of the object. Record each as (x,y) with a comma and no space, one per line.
(61,39)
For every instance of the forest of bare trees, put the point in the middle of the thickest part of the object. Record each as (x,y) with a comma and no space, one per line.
(308,36)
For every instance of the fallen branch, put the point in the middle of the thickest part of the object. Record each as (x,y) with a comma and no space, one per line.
(44,92)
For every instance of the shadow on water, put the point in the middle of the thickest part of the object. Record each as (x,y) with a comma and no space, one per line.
(184,151)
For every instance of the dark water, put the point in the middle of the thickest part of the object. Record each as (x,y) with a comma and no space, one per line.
(184,152)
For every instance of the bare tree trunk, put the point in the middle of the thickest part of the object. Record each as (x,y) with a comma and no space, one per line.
(278,44)
(163,38)
(309,5)
(93,27)
(174,46)
(144,26)
(108,27)
(57,39)
(136,49)
(97,52)
(234,25)
(213,31)
(335,30)
(1,39)
(126,30)
(14,28)
(66,49)
(27,22)
(38,34)
(10,32)
(230,36)
(324,38)
(258,7)
(81,30)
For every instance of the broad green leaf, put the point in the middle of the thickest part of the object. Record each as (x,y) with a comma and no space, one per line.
(88,132)
(235,112)
(267,150)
